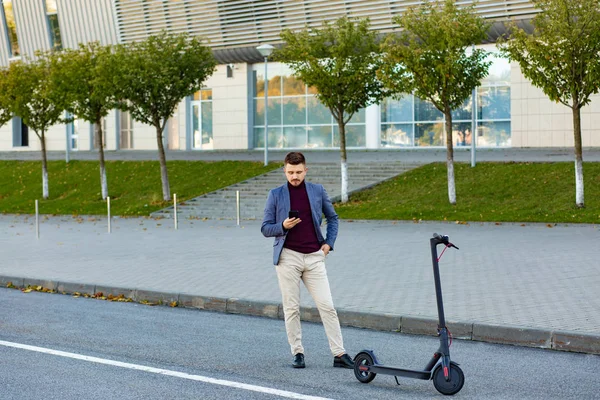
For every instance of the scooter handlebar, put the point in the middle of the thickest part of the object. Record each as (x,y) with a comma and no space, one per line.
(444,239)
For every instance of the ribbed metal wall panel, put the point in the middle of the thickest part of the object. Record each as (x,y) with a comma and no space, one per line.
(3,41)
(234,24)
(32,27)
(83,21)
(80,21)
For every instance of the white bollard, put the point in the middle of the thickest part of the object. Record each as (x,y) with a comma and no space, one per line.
(237,202)
(175,209)
(108,208)
(37,221)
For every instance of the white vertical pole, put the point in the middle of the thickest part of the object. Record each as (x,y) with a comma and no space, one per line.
(473,122)
(37,221)
(266,115)
(108,208)
(175,209)
(68,144)
(473,127)
(237,205)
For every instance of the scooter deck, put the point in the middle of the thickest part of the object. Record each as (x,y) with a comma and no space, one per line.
(396,371)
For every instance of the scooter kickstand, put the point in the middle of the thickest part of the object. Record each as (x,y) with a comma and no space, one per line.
(396,378)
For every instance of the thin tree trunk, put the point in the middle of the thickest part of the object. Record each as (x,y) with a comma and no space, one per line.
(450,158)
(342,129)
(578,156)
(45,191)
(100,142)
(164,175)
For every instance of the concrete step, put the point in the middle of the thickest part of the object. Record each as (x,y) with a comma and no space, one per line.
(222,203)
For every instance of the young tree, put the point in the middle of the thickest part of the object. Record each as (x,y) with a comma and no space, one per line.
(5,113)
(429,58)
(155,75)
(32,96)
(561,57)
(340,61)
(84,78)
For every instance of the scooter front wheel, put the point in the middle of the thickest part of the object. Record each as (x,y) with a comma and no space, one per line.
(453,386)
(361,361)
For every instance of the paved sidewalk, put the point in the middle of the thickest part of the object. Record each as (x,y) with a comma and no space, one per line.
(530,284)
(422,155)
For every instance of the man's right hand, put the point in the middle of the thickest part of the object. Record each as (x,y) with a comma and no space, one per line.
(289,223)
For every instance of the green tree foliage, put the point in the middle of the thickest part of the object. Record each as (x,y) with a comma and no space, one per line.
(5,112)
(429,57)
(84,78)
(33,97)
(340,61)
(562,57)
(154,75)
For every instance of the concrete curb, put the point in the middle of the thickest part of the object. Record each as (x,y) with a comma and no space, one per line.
(579,342)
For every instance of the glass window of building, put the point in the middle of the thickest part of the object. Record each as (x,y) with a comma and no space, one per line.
(413,122)
(20,133)
(173,132)
(53,28)
(126,131)
(295,117)
(202,120)
(11,28)
(73,132)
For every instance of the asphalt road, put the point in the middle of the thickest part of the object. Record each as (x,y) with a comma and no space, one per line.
(133,351)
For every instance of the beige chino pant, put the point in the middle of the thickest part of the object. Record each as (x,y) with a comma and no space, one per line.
(294,267)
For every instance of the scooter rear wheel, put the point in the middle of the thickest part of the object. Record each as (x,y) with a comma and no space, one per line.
(453,386)
(363,359)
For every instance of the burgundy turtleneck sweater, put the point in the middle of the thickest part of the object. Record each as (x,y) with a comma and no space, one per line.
(301,238)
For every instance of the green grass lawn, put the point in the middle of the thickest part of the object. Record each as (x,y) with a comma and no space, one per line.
(519,192)
(134,187)
(500,192)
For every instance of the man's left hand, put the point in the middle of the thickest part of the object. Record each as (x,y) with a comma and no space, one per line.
(326,248)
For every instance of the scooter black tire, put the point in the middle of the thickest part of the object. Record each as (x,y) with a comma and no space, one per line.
(363,359)
(453,386)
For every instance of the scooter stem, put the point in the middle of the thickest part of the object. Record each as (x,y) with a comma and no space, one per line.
(438,286)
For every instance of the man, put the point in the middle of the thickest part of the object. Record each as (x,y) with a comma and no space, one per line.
(299,253)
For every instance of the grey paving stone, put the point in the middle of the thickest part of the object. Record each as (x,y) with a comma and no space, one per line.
(429,326)
(154,297)
(203,302)
(70,288)
(105,291)
(45,284)
(521,336)
(249,307)
(380,322)
(13,280)
(577,342)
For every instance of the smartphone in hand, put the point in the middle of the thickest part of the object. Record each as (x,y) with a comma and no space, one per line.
(294,214)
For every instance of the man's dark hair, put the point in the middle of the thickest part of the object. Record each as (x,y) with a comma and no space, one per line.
(295,158)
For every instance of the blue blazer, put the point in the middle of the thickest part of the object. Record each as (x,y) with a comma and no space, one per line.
(278,208)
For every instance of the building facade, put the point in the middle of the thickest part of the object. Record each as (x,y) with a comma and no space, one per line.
(229,113)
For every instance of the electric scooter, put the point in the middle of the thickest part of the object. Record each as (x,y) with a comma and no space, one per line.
(447,376)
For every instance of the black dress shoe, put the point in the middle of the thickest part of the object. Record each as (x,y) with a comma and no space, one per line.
(343,362)
(298,361)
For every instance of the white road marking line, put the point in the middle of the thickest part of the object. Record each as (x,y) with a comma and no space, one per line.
(237,385)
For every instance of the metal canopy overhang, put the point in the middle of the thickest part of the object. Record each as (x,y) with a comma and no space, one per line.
(249,54)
